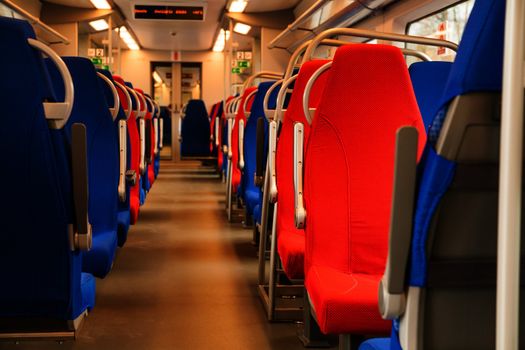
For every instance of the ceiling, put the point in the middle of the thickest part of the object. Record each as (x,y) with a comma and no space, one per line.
(181,35)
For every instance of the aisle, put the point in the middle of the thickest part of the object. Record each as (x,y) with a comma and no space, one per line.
(185,279)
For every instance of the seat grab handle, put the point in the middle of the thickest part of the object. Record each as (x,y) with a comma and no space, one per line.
(392,286)
(241,144)
(272,149)
(116,100)
(57,113)
(298,142)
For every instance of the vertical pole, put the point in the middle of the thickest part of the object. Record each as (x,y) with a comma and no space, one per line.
(110,43)
(509,209)
(119,57)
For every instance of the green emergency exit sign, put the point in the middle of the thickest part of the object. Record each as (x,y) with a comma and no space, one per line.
(96,60)
(236,70)
(243,64)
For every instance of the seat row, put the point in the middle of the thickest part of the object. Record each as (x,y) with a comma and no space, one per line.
(374,187)
(83,150)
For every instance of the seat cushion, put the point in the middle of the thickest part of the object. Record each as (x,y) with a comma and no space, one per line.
(87,287)
(290,246)
(134,208)
(376,344)
(252,196)
(345,302)
(123,221)
(99,260)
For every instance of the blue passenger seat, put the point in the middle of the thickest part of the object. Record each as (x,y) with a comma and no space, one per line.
(195,130)
(428,80)
(41,276)
(91,109)
(251,194)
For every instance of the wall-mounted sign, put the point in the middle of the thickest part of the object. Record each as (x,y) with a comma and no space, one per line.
(176,55)
(169,12)
(236,71)
(243,64)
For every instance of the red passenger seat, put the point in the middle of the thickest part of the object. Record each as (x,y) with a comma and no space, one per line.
(236,172)
(134,140)
(290,240)
(349,166)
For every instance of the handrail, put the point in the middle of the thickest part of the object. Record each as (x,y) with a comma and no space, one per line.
(281,97)
(298,21)
(294,59)
(116,100)
(370,34)
(266,101)
(309,85)
(245,104)
(261,74)
(57,113)
(128,98)
(35,21)
(136,97)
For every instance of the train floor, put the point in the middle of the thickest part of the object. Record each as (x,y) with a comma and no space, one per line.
(186,279)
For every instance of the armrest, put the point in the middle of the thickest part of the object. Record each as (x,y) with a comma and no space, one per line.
(272,148)
(161,132)
(131,177)
(241,144)
(122,140)
(180,128)
(81,235)
(392,286)
(230,129)
(142,135)
(217,122)
(156,132)
(298,142)
(147,154)
(259,154)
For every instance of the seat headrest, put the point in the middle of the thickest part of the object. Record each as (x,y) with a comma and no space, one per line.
(479,61)
(295,108)
(372,80)
(428,80)
(257,105)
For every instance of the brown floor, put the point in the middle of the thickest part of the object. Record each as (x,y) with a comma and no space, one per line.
(185,279)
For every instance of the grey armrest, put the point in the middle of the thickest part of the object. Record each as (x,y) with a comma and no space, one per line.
(298,142)
(122,140)
(272,148)
(81,238)
(131,177)
(241,144)
(392,287)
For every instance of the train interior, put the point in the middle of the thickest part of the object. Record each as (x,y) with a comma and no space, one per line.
(248,174)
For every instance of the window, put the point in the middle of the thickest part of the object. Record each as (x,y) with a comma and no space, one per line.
(447,24)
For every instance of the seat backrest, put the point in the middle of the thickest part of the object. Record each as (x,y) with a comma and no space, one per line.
(108,94)
(195,130)
(236,172)
(428,80)
(37,194)
(349,158)
(92,110)
(454,242)
(250,134)
(284,152)
(134,139)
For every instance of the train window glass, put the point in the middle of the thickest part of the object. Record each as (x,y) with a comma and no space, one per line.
(447,24)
